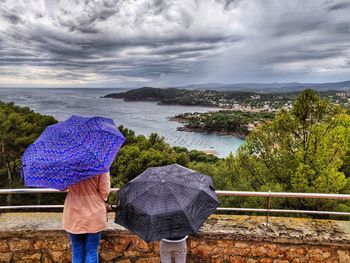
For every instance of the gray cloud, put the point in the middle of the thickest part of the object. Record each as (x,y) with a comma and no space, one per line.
(339,6)
(169,43)
(12,18)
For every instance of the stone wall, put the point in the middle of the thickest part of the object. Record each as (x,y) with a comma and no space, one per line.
(37,237)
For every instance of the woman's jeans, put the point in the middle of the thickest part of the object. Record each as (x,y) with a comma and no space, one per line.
(85,247)
(179,249)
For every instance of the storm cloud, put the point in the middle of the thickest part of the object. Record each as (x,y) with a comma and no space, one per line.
(119,43)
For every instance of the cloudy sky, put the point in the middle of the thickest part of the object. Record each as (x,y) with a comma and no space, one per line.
(119,43)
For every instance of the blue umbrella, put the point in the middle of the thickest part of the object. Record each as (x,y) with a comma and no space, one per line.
(71,151)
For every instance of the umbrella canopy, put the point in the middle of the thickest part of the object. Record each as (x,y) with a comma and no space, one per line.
(166,202)
(70,151)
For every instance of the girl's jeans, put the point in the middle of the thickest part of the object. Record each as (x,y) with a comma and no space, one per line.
(85,247)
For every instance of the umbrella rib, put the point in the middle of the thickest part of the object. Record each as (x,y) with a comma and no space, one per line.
(187,186)
(184,184)
(91,131)
(180,205)
(157,174)
(129,201)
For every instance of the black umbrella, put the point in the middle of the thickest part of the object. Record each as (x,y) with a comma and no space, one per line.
(166,202)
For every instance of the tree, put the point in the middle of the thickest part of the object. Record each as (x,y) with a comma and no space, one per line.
(19,127)
(138,154)
(301,150)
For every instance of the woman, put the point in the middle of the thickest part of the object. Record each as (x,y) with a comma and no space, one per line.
(85,216)
(176,246)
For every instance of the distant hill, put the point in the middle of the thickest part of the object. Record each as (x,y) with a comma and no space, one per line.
(270,87)
(149,94)
(174,96)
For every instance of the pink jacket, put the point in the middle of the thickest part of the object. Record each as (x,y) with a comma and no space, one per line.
(84,207)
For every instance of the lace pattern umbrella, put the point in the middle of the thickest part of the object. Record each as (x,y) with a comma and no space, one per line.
(70,151)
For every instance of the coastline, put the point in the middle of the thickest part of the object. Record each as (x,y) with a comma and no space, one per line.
(202,130)
(191,105)
(184,121)
(211,152)
(220,133)
(142,117)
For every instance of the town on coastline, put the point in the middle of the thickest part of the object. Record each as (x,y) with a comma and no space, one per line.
(239,111)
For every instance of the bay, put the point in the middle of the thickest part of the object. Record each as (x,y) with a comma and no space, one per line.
(142,117)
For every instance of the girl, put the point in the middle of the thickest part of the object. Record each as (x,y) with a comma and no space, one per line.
(85,216)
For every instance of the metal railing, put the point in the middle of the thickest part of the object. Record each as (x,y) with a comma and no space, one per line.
(267,195)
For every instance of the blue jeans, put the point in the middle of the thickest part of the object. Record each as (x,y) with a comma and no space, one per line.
(85,247)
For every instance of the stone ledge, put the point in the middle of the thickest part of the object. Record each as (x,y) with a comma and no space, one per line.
(38,237)
(246,228)
(280,230)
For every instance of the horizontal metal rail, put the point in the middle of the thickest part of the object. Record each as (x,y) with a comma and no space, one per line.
(24,207)
(225,209)
(268,195)
(30,191)
(285,194)
(286,211)
(219,192)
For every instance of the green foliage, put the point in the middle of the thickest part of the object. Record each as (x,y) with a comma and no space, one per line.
(19,127)
(225,121)
(139,153)
(199,156)
(187,97)
(305,149)
(302,150)
(149,94)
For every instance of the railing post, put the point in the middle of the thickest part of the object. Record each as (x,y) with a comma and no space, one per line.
(268,208)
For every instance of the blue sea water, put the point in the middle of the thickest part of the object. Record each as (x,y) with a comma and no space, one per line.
(142,117)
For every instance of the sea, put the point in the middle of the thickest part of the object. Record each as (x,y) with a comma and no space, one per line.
(142,117)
